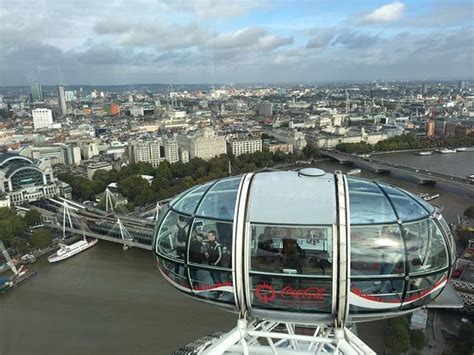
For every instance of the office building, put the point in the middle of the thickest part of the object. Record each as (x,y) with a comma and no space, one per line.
(171,150)
(244,146)
(265,109)
(72,155)
(89,150)
(61,100)
(146,151)
(42,118)
(70,96)
(205,144)
(114,109)
(36,93)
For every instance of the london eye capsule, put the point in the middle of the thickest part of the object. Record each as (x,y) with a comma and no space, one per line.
(305,247)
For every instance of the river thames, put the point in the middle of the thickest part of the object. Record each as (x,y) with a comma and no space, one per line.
(110,301)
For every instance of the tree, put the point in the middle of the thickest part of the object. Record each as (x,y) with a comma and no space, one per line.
(310,151)
(136,189)
(418,339)
(11,225)
(398,340)
(32,217)
(20,245)
(466,339)
(41,238)
(469,212)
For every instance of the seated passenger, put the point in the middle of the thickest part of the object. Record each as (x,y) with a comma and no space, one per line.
(292,255)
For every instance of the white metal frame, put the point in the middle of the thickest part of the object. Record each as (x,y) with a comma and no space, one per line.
(269,337)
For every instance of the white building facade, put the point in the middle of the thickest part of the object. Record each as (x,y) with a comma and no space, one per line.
(205,145)
(146,151)
(244,146)
(42,118)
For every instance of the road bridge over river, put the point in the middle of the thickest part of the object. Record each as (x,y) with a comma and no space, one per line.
(383,167)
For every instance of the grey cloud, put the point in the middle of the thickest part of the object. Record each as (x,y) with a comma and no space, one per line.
(164,36)
(253,38)
(353,40)
(111,27)
(209,9)
(321,40)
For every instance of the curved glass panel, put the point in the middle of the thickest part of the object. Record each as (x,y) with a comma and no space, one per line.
(188,203)
(174,272)
(173,236)
(376,250)
(422,202)
(177,197)
(375,295)
(219,201)
(291,250)
(215,285)
(407,208)
(423,289)
(211,243)
(426,247)
(449,237)
(368,204)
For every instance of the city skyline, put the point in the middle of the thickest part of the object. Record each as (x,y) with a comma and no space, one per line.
(243,42)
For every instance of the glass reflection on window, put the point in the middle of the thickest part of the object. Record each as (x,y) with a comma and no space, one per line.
(174,271)
(219,201)
(211,243)
(212,284)
(173,235)
(426,247)
(368,204)
(376,250)
(407,208)
(189,202)
(291,250)
(387,291)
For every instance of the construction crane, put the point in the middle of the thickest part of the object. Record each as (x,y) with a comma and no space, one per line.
(8,259)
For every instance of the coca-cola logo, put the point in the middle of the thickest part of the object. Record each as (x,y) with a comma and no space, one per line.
(310,293)
(267,293)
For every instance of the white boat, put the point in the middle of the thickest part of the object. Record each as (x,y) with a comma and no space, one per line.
(66,251)
(354,172)
(427,197)
(447,151)
(461,149)
(28,259)
(430,197)
(425,153)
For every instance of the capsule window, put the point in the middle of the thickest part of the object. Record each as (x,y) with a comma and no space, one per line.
(291,250)
(426,247)
(376,250)
(173,236)
(211,243)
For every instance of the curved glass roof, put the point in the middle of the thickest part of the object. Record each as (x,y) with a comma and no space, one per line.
(373,202)
(215,199)
(313,200)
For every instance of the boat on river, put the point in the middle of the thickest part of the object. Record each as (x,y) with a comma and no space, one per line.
(447,151)
(354,172)
(429,152)
(427,197)
(66,251)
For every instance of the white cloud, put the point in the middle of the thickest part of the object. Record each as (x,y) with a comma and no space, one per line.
(387,13)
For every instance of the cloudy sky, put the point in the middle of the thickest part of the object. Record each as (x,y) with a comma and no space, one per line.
(232,41)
